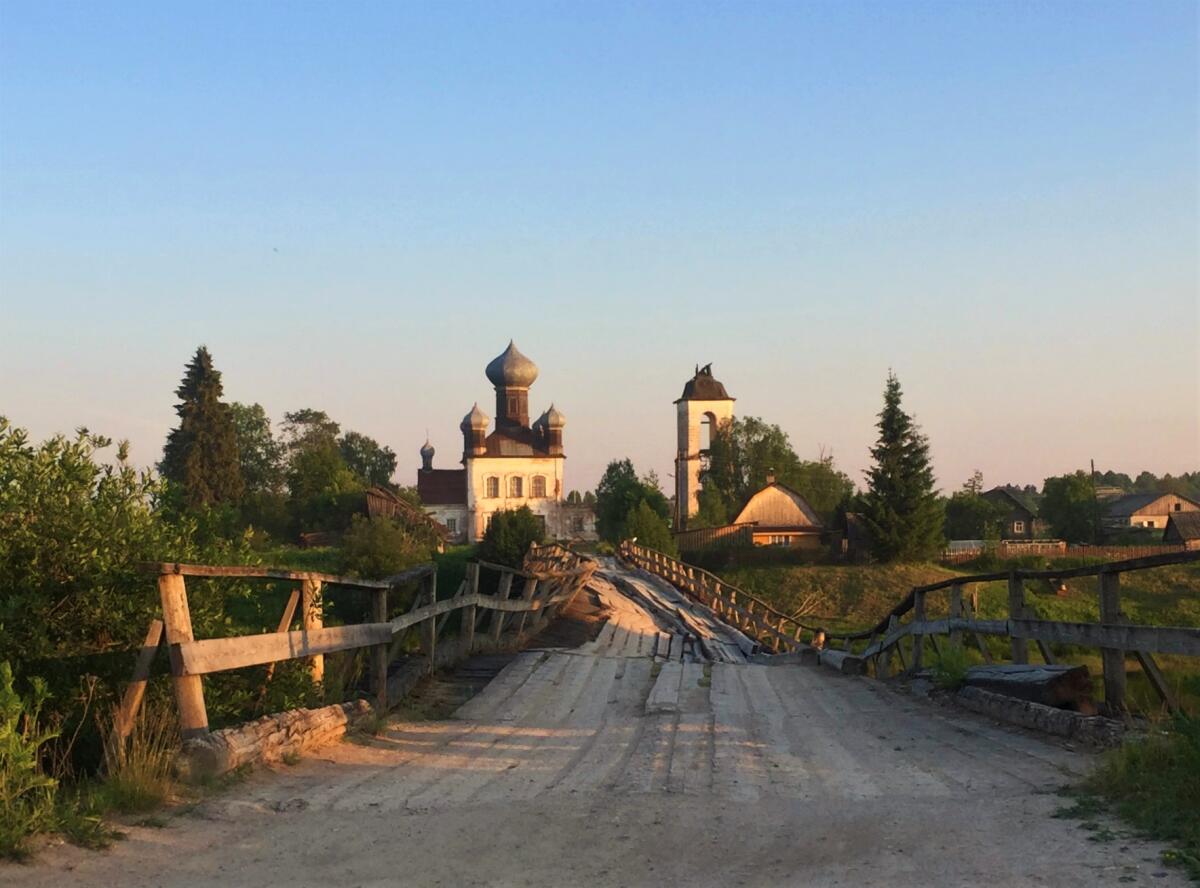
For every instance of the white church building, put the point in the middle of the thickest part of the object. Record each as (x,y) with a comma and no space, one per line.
(516,464)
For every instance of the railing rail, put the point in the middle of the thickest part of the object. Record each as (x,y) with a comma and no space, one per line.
(1113,635)
(549,580)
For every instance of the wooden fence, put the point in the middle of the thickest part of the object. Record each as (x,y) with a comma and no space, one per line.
(708,537)
(1113,635)
(1059,549)
(523,602)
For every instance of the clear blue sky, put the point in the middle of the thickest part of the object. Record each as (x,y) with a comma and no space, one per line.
(356,205)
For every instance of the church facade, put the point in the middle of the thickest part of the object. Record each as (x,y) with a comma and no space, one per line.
(517,463)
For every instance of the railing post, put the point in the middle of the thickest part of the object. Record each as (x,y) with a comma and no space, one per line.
(527,595)
(379,654)
(1016,611)
(498,615)
(189,689)
(311,617)
(956,612)
(918,635)
(469,614)
(1113,658)
(429,628)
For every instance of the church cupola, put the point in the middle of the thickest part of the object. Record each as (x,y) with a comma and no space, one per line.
(554,422)
(512,374)
(474,429)
(427,453)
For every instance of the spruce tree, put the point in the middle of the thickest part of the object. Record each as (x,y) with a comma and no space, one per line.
(201,456)
(901,508)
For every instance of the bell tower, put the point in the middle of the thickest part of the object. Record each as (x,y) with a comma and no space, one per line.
(702,409)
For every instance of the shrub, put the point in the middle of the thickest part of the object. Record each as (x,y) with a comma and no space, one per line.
(378,547)
(509,536)
(950,667)
(26,794)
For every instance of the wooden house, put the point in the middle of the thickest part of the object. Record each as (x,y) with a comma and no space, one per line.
(781,517)
(1146,509)
(1183,529)
(1021,521)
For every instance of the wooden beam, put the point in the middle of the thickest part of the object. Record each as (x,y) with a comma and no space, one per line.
(380,653)
(1159,682)
(285,624)
(177,625)
(218,654)
(250,572)
(131,700)
(956,613)
(1113,657)
(312,619)
(1016,611)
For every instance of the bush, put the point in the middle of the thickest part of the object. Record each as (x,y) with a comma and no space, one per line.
(950,667)
(379,547)
(26,794)
(72,598)
(509,536)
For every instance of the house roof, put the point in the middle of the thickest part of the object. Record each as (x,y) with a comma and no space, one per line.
(1132,503)
(779,507)
(442,487)
(1185,524)
(383,501)
(1019,498)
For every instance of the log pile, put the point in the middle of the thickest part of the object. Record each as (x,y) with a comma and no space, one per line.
(269,738)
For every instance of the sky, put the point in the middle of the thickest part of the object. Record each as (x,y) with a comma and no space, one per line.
(356,205)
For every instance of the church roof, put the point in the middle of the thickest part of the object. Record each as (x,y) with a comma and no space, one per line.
(511,368)
(442,487)
(704,387)
(516,441)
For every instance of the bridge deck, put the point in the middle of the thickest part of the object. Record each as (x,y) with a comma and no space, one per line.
(607,765)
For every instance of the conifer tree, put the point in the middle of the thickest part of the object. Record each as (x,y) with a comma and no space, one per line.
(901,508)
(201,455)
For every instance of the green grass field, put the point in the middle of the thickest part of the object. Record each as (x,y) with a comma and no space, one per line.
(848,597)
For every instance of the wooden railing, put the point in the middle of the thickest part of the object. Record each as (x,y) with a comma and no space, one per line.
(753,616)
(551,578)
(1113,635)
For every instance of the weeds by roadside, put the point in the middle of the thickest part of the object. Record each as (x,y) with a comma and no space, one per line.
(26,792)
(950,667)
(1152,783)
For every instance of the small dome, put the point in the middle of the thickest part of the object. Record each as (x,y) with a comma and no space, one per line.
(512,369)
(427,449)
(554,418)
(476,419)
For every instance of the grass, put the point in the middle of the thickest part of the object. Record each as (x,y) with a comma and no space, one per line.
(137,771)
(1153,784)
(950,667)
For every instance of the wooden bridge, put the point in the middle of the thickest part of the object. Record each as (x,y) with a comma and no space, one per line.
(663,749)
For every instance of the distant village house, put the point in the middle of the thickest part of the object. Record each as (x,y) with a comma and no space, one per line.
(1183,529)
(1146,509)
(1021,521)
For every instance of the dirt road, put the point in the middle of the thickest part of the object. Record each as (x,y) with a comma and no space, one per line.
(603,766)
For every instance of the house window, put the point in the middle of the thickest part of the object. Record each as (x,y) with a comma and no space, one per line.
(452,525)
(779,539)
(516,486)
(1018,527)
(577,524)
(491,487)
(539,486)
(1179,507)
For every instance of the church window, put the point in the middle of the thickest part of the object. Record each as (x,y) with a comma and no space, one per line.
(539,486)
(491,487)
(516,486)
(452,525)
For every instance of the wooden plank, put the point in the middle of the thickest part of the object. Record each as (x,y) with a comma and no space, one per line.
(918,637)
(506,581)
(177,626)
(250,572)
(285,623)
(217,654)
(131,700)
(429,628)
(470,613)
(1159,682)
(956,613)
